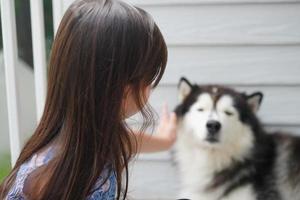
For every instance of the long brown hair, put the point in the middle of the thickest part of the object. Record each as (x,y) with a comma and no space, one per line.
(101,47)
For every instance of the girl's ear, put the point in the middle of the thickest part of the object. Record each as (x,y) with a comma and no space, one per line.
(184,88)
(254,101)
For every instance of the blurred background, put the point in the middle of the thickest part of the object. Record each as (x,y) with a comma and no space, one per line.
(251,45)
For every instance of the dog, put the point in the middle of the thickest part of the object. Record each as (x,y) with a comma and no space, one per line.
(224,153)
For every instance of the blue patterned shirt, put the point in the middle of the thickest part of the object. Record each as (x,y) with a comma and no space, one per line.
(100,191)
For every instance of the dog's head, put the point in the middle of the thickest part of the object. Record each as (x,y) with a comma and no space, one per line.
(217,116)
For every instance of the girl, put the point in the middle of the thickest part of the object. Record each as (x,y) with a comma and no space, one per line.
(106,58)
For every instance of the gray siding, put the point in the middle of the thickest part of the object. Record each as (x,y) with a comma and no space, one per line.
(250,45)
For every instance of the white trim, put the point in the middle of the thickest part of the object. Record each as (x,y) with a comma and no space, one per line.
(58,8)
(10,63)
(39,54)
(206,2)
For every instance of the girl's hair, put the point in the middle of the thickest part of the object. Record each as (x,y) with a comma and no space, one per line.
(101,48)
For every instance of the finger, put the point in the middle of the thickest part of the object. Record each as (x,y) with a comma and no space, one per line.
(165,112)
(173,120)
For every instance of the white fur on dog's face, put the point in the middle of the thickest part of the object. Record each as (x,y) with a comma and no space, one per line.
(232,133)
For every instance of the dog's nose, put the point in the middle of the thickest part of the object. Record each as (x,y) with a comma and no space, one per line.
(213,126)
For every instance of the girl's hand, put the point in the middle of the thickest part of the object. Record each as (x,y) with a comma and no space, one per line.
(166,130)
(162,140)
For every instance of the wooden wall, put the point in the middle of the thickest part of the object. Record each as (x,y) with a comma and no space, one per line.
(251,45)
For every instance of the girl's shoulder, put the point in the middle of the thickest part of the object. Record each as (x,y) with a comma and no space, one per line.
(104,188)
(36,160)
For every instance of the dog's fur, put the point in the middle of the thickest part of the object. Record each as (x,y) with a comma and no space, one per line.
(224,153)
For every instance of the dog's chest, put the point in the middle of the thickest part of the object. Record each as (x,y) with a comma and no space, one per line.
(197,171)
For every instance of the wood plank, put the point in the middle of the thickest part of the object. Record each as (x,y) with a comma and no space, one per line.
(10,51)
(247,24)
(39,55)
(167,155)
(280,106)
(193,2)
(25,84)
(153,181)
(235,65)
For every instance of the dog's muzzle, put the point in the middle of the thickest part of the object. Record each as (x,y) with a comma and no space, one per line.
(213,129)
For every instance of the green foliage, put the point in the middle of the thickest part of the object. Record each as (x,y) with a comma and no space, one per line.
(4,166)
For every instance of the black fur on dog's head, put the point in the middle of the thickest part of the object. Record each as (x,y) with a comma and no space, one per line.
(213,111)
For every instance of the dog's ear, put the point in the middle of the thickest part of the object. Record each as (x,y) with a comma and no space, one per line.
(184,88)
(254,100)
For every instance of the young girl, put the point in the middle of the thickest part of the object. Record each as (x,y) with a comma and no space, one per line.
(106,58)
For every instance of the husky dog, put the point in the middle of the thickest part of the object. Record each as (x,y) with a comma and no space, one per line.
(224,153)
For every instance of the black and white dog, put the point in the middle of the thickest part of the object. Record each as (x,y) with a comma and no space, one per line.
(224,153)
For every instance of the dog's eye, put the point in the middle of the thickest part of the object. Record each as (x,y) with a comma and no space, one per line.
(201,109)
(228,113)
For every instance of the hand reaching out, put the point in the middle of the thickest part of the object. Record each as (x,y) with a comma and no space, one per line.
(163,139)
(167,127)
